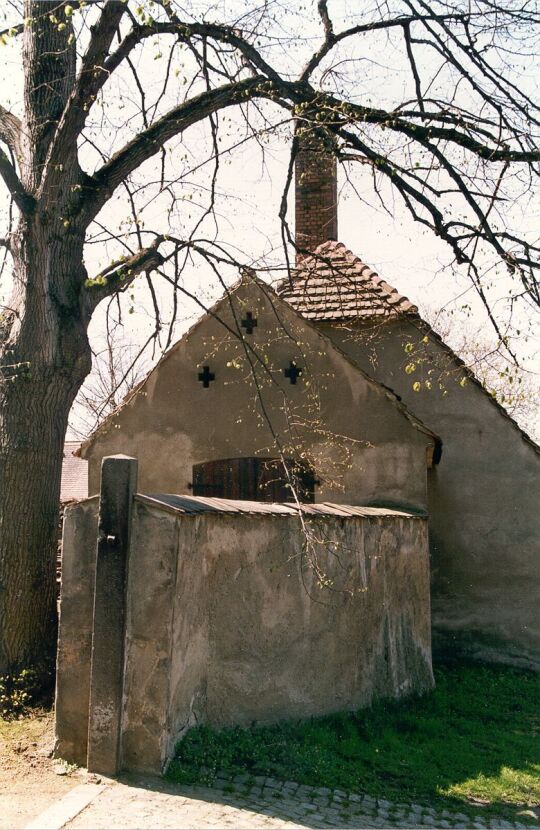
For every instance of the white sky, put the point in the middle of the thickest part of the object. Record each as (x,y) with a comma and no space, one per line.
(407,255)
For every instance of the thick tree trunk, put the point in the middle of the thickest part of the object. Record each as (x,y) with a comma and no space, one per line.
(44,350)
(44,358)
(33,419)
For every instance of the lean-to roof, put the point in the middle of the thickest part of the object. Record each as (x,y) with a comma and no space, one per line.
(192,505)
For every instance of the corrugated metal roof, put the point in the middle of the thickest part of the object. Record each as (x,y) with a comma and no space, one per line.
(74,484)
(201,504)
(334,285)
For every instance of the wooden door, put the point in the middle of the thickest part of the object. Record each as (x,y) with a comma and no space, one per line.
(253,479)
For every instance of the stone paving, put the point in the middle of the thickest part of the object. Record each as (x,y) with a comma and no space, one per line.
(263,803)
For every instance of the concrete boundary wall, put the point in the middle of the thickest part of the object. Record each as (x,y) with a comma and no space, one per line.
(226,621)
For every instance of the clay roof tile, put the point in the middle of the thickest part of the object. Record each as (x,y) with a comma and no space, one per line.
(335,284)
(74,474)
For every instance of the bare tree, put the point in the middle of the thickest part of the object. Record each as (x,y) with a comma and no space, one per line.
(455,138)
(117,370)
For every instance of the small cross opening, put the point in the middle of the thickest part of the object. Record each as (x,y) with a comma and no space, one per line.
(249,323)
(292,372)
(206,377)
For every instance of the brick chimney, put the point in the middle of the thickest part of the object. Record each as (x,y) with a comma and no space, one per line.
(315,191)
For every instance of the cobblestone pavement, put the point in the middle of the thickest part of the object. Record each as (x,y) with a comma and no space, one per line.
(262,803)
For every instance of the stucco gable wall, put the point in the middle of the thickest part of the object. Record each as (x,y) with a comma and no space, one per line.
(363,447)
(483,499)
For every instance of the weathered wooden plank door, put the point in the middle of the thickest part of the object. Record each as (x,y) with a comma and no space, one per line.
(253,479)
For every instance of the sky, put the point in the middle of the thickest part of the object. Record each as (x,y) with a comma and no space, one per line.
(250,185)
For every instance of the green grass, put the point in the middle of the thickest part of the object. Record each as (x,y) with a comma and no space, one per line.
(29,729)
(474,737)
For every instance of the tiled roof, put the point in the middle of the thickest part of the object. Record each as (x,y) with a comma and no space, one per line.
(333,284)
(74,474)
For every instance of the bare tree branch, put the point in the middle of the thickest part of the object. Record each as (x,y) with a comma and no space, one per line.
(339,112)
(414,69)
(184,32)
(332,39)
(89,81)
(150,141)
(11,31)
(119,275)
(22,199)
(10,130)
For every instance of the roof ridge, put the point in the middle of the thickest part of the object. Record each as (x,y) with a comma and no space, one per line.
(334,307)
(428,328)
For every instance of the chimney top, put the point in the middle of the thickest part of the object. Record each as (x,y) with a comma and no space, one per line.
(315,191)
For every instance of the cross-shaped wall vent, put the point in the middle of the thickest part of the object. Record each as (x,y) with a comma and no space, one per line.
(292,372)
(249,323)
(206,376)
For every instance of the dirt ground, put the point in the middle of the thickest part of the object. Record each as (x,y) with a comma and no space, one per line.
(29,776)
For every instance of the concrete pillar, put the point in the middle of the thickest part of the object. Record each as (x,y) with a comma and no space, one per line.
(75,631)
(118,486)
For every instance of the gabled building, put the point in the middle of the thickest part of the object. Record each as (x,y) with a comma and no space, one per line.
(484,496)
(335,390)
(280,390)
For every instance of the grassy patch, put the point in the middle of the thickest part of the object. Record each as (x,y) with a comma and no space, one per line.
(472,738)
(29,729)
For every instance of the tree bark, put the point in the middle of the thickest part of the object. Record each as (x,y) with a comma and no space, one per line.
(44,358)
(32,428)
(44,350)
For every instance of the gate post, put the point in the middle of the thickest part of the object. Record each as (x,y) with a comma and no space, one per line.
(118,486)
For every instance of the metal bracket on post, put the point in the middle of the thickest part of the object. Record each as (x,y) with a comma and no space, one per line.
(118,486)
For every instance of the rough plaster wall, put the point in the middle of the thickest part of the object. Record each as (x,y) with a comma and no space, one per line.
(166,661)
(149,619)
(190,651)
(245,634)
(75,630)
(282,647)
(483,500)
(363,448)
